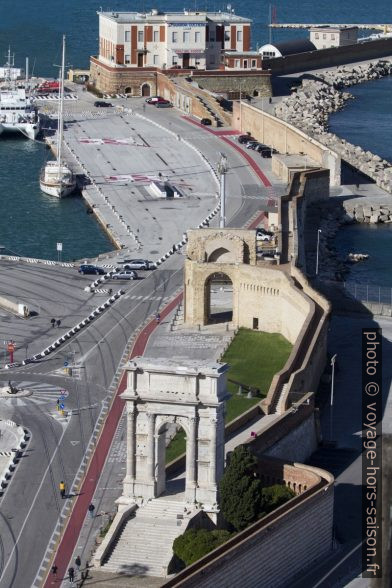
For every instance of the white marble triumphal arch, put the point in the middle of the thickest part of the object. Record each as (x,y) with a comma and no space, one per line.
(192,395)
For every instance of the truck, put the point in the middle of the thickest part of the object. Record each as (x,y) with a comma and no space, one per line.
(48,87)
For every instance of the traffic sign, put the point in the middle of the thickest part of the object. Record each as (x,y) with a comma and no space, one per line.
(59,246)
(62,406)
(66,364)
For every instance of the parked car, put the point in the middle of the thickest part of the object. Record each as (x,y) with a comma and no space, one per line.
(245,139)
(136,264)
(140,263)
(261,147)
(262,231)
(91,269)
(102,104)
(163,104)
(154,99)
(261,237)
(207,122)
(125,275)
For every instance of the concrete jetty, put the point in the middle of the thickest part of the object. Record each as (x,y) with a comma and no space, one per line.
(146,184)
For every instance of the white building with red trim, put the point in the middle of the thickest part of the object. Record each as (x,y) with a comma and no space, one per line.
(186,40)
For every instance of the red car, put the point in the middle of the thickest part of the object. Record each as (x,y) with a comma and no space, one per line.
(155,99)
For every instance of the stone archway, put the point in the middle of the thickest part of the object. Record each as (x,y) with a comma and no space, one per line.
(128,90)
(146,90)
(192,396)
(218,298)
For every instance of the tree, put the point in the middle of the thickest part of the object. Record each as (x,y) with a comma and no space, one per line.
(274,496)
(196,543)
(240,489)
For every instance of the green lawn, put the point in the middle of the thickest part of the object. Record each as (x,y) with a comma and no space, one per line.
(254,358)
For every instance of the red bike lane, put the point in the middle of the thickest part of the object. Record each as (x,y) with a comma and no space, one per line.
(75,522)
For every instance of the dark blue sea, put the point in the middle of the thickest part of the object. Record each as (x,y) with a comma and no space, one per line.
(32,223)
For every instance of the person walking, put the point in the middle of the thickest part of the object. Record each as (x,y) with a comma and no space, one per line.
(158,318)
(62,489)
(53,322)
(71,575)
(54,570)
(58,323)
(91,509)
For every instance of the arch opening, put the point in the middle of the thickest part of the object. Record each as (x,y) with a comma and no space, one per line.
(128,90)
(219,298)
(146,90)
(170,443)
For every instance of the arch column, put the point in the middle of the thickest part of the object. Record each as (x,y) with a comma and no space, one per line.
(151,447)
(130,441)
(212,476)
(191,476)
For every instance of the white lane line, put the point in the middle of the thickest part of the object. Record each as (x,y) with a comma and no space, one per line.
(33,503)
(86,355)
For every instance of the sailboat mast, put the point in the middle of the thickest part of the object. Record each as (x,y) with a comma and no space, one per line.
(61,113)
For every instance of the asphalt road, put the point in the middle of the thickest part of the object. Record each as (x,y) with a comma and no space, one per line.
(31,506)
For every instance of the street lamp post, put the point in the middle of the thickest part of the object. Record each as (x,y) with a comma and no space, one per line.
(222,170)
(241,106)
(317,251)
(333,359)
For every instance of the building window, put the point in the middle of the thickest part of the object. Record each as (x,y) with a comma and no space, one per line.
(197,37)
(324,36)
(127,36)
(140,36)
(245,64)
(253,62)
(237,63)
(333,37)
(174,60)
(156,59)
(239,35)
(127,59)
(174,37)
(316,36)
(227,36)
(156,36)
(185,37)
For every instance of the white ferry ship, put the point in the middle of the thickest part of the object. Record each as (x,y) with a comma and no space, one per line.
(18,113)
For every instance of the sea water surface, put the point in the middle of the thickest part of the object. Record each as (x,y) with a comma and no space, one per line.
(31,223)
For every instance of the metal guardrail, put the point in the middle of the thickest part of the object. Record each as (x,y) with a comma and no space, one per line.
(369,292)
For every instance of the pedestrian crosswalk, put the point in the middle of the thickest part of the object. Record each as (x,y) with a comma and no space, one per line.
(134,297)
(42,393)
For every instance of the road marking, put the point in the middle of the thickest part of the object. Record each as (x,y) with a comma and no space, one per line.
(73,443)
(32,504)
(86,355)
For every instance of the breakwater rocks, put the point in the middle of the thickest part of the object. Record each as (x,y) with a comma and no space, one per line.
(371,213)
(309,109)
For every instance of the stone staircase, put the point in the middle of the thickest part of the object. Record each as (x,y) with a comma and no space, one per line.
(144,544)
(178,318)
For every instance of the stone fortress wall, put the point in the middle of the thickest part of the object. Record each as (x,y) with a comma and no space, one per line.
(330,57)
(277,546)
(285,137)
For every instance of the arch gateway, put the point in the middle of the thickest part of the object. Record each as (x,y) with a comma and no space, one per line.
(160,392)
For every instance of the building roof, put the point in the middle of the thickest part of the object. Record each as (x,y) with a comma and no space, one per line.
(186,16)
(291,47)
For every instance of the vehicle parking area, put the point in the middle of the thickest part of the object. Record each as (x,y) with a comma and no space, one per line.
(154,188)
(50,292)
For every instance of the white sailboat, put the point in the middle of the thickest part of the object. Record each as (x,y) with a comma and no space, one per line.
(56,178)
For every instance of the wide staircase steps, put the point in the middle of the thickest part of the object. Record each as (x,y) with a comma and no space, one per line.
(144,546)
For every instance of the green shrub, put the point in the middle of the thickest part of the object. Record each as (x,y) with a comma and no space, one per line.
(196,543)
(240,489)
(274,496)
